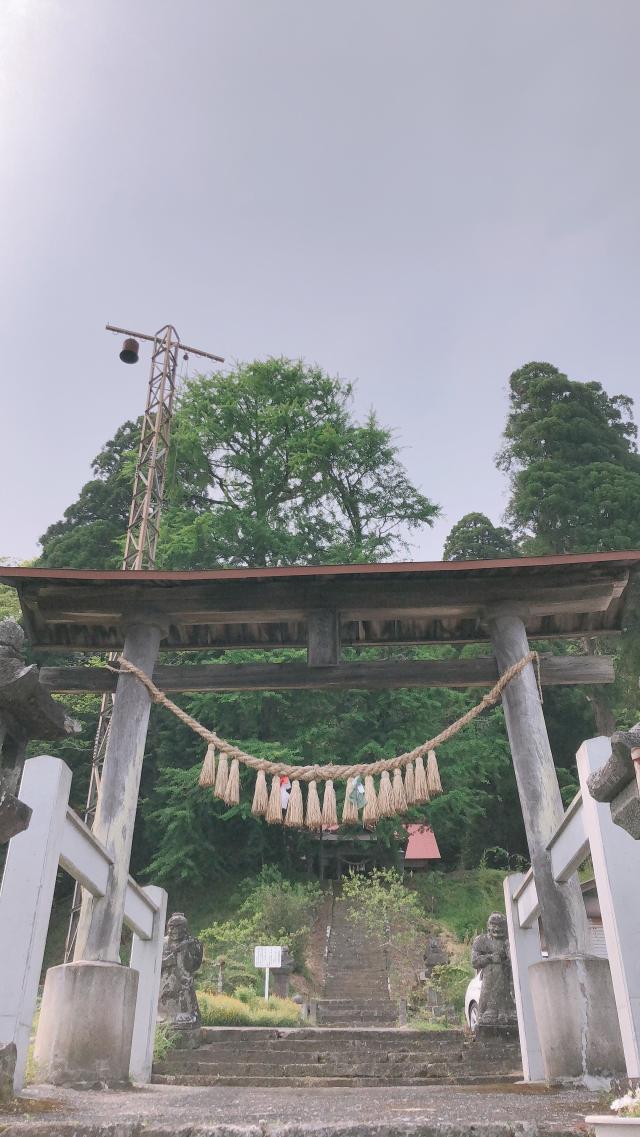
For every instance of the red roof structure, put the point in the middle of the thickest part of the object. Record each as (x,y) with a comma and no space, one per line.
(422,844)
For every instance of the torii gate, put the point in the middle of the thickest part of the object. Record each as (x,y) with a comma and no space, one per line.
(322,609)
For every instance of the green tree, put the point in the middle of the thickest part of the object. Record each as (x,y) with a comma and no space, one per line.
(475,538)
(570,450)
(268,467)
(271,469)
(9,603)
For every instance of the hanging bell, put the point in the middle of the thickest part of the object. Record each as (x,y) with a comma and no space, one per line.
(130,351)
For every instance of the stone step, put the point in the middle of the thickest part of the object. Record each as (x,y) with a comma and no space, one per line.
(213,1055)
(323,1082)
(354,1015)
(343,1000)
(332,1069)
(373,1051)
(261,1035)
(387,1012)
(390,1013)
(373,1059)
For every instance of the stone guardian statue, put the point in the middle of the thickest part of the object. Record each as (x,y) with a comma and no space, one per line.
(490,954)
(181,958)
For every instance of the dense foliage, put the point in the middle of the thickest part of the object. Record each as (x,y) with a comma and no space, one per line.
(275,910)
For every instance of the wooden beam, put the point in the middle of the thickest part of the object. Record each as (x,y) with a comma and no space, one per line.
(296,599)
(556,670)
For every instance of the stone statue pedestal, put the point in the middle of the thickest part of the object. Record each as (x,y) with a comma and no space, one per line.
(576,1017)
(485,1031)
(86,1024)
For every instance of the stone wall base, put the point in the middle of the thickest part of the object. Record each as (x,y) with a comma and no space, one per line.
(576,1017)
(86,1024)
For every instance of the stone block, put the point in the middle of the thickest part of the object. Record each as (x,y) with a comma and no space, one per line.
(576,1018)
(86,1024)
(8,1056)
(625,809)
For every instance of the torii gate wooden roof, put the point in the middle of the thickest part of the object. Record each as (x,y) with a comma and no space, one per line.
(326,607)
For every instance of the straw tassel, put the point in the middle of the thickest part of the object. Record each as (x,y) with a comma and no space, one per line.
(207,777)
(274,808)
(314,812)
(329,807)
(222,777)
(385,797)
(294,817)
(410,784)
(232,792)
(399,796)
(260,801)
(349,809)
(433,775)
(420,782)
(370,811)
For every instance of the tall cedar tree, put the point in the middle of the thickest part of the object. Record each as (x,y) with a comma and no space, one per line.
(570,450)
(475,538)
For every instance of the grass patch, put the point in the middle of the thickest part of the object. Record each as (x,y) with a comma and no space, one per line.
(164,1040)
(462,900)
(418,1022)
(226,1010)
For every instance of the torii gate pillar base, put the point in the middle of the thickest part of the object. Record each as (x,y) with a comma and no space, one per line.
(86,1024)
(575,1015)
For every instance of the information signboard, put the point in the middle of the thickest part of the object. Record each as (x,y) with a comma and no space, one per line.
(267,956)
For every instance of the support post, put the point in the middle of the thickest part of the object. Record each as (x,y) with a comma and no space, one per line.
(146,959)
(100,926)
(524,946)
(585,1040)
(323,638)
(26,896)
(561,905)
(95,988)
(616,868)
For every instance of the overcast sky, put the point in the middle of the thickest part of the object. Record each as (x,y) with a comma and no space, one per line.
(419,195)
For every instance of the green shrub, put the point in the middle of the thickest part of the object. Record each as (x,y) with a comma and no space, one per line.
(452,981)
(245,994)
(385,908)
(274,911)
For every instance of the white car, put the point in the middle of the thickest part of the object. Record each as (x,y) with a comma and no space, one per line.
(472,1001)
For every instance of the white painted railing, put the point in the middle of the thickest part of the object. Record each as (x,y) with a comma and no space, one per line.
(586,829)
(57,837)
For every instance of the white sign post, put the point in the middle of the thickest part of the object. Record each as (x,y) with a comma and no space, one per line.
(267,957)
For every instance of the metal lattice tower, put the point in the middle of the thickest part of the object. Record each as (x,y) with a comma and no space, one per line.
(141,540)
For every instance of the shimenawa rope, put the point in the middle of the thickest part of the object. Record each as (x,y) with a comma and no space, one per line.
(330,772)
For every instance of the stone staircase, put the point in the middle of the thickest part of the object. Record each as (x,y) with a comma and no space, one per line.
(356,1042)
(356,987)
(325,1057)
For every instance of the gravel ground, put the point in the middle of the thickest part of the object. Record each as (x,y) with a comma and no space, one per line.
(222,1111)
